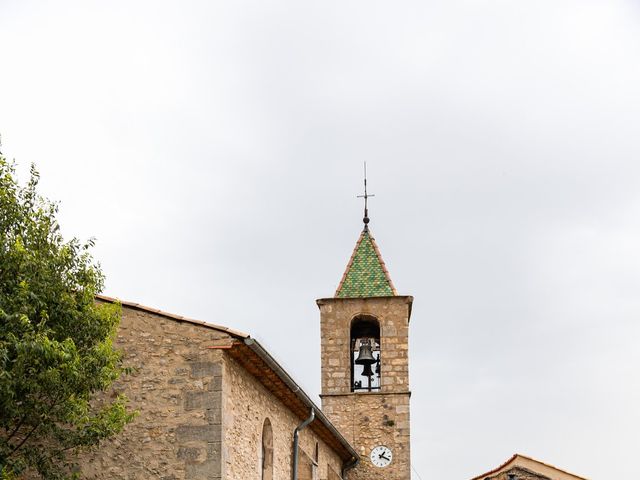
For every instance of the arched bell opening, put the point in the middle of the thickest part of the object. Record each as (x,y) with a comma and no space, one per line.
(365,354)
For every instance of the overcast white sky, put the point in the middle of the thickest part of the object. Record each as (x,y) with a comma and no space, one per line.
(215,150)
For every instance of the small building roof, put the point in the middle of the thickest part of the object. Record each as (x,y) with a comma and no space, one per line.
(532,465)
(366,274)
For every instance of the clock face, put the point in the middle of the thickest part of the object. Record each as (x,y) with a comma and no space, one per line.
(381,456)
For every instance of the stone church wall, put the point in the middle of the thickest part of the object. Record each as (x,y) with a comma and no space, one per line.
(176,388)
(200,414)
(246,405)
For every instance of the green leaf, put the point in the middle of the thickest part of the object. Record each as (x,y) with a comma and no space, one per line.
(56,349)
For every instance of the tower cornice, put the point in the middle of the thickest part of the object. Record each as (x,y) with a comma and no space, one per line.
(408,299)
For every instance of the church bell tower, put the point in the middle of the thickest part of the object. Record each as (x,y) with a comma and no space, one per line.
(365,364)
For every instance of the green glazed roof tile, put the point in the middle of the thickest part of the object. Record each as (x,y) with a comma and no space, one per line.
(366,274)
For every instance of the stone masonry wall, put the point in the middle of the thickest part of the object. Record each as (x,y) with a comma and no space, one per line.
(246,405)
(176,388)
(377,418)
(371,419)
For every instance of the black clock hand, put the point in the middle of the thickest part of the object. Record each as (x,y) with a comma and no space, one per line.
(382,456)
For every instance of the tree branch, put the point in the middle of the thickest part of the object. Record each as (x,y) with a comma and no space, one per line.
(17,447)
(15,430)
(55,403)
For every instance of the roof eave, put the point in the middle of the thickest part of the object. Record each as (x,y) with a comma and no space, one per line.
(348,454)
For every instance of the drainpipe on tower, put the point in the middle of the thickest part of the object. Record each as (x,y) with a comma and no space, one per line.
(296,434)
(351,464)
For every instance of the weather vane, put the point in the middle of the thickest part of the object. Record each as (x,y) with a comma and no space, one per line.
(365,196)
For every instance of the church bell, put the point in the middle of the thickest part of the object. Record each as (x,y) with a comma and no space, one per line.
(365,355)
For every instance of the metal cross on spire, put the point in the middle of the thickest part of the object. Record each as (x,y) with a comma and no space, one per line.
(365,196)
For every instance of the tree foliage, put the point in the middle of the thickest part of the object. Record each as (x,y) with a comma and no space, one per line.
(56,351)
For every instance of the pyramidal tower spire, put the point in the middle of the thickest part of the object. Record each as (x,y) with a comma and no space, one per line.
(366,274)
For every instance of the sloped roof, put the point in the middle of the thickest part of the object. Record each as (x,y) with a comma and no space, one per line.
(533,465)
(173,316)
(259,363)
(366,274)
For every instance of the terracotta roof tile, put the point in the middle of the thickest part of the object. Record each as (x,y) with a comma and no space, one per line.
(173,316)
